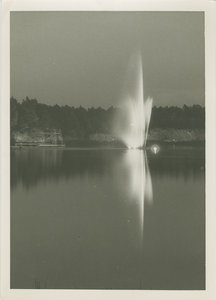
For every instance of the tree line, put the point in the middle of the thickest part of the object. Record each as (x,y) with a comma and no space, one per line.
(79,122)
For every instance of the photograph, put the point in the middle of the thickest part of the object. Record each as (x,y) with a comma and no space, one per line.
(107,148)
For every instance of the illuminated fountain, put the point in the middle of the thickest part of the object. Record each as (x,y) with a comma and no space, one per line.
(133,124)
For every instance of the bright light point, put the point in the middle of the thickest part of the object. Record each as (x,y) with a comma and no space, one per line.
(155,149)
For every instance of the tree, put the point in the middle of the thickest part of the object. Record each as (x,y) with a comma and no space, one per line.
(28,113)
(13,113)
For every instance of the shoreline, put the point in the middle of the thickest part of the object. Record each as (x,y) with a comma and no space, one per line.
(160,136)
(116,144)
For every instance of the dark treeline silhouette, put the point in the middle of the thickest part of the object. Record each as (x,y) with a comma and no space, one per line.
(80,122)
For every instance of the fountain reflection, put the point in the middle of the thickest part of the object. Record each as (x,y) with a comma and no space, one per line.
(138,181)
(132,127)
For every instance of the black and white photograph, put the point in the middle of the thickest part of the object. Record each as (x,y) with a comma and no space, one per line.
(108,173)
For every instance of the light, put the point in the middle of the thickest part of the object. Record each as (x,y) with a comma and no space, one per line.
(155,149)
(132,122)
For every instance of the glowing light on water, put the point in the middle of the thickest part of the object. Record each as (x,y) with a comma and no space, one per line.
(139,184)
(131,126)
(134,124)
(155,149)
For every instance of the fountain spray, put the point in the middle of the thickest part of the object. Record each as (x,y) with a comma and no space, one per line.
(137,116)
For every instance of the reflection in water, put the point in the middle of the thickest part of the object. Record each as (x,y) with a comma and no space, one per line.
(139,184)
(80,213)
(29,166)
(178,163)
(32,166)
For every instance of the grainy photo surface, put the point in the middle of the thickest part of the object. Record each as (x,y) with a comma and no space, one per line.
(107,150)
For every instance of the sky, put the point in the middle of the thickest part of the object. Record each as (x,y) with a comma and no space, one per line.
(81,58)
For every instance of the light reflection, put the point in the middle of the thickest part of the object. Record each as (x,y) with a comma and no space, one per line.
(155,149)
(139,184)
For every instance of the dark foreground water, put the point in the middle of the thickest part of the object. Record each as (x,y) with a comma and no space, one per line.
(108,219)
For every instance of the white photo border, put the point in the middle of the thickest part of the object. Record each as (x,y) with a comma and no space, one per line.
(208,7)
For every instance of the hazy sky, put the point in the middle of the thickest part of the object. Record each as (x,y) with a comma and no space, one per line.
(80,58)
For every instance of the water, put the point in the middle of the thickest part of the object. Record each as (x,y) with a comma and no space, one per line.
(132,124)
(108,219)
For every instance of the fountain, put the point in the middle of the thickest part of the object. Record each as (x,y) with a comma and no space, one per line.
(133,124)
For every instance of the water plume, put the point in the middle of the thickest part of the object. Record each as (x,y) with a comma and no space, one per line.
(132,123)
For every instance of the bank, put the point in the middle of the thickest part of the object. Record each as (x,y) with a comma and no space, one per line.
(156,135)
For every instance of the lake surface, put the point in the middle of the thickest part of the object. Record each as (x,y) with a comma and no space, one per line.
(108,219)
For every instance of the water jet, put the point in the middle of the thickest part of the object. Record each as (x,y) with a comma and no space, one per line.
(133,124)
